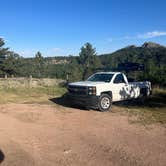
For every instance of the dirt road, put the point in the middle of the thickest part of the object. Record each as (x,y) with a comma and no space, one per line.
(46,135)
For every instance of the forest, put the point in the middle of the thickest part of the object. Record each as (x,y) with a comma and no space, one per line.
(150,55)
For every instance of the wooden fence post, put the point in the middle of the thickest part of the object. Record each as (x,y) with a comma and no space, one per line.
(30,81)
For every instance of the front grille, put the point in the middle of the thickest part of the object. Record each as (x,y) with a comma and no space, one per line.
(77,90)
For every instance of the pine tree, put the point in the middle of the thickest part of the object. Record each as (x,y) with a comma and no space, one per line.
(11,64)
(39,64)
(88,60)
(3,53)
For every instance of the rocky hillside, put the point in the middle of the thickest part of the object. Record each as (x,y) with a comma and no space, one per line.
(151,55)
(147,53)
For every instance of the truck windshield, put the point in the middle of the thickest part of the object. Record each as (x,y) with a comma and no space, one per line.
(100,77)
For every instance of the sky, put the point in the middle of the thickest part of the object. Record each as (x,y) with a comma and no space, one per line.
(62,27)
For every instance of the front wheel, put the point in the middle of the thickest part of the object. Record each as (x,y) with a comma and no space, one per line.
(105,102)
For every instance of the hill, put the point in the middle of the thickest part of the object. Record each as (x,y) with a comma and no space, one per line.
(148,53)
(151,55)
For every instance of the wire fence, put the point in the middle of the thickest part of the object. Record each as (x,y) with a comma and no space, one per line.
(29,82)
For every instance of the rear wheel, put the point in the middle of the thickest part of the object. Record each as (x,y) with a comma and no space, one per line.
(144,95)
(105,102)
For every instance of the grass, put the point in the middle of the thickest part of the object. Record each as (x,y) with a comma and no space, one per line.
(30,95)
(149,111)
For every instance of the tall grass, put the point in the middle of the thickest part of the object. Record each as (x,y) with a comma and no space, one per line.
(148,111)
(30,95)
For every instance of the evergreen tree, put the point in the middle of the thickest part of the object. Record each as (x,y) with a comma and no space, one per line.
(39,65)
(74,70)
(11,64)
(88,60)
(3,53)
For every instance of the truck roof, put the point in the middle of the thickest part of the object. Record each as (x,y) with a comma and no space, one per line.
(108,72)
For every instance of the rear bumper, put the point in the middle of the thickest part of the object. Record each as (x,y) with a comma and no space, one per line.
(83,100)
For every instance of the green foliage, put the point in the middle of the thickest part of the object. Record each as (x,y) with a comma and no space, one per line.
(75,71)
(38,65)
(153,58)
(152,55)
(10,64)
(88,60)
(3,53)
(56,71)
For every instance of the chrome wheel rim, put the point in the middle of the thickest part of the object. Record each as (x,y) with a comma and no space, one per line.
(105,103)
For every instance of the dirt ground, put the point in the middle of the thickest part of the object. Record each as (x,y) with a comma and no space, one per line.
(47,135)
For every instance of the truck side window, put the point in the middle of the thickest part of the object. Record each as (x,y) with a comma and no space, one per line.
(119,79)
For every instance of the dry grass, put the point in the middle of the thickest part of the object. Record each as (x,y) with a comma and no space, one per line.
(151,110)
(25,82)
(30,95)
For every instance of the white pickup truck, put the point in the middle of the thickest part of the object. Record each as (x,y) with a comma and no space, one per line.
(103,88)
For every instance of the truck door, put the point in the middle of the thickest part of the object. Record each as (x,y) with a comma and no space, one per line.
(120,88)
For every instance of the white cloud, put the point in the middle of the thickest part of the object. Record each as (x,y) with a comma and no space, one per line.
(55,49)
(120,38)
(26,53)
(128,37)
(146,35)
(152,34)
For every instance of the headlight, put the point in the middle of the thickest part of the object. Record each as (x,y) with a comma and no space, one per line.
(92,90)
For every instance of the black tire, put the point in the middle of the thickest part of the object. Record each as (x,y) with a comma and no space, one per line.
(108,102)
(145,92)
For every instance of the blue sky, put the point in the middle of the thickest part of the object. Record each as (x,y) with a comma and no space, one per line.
(61,27)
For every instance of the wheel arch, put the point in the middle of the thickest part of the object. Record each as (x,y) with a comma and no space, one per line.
(108,93)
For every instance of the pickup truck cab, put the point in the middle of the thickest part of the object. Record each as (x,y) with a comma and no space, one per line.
(103,88)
